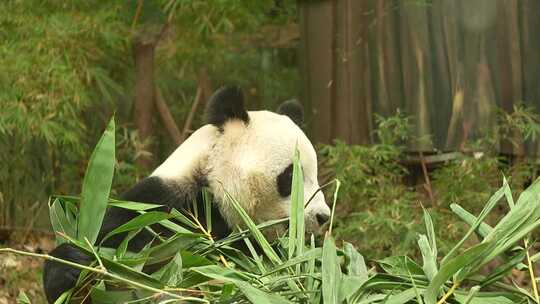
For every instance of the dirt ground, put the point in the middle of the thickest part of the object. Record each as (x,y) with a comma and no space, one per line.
(22,273)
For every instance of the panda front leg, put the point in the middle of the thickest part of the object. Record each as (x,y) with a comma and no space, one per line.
(59,277)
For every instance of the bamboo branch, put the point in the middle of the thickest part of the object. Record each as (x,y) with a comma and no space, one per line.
(531,272)
(189,119)
(137,14)
(449,293)
(167,118)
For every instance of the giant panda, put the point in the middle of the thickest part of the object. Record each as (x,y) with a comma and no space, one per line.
(249,154)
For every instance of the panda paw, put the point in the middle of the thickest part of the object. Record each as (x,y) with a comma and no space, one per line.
(59,277)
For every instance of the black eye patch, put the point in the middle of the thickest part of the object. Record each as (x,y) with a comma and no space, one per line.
(284,181)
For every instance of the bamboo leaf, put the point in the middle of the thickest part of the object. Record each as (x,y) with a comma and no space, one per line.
(402,297)
(141,221)
(253,294)
(508,193)
(482,230)
(331,272)
(429,260)
(451,267)
(483,214)
(296,219)
(171,274)
(97,186)
(356,265)
(261,240)
(60,222)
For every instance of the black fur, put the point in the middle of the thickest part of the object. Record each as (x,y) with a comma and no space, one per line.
(57,278)
(284,181)
(294,110)
(226,104)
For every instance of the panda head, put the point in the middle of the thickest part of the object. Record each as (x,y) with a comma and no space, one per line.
(249,154)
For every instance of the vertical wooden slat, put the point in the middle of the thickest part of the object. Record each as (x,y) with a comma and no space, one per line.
(385,61)
(530,22)
(509,62)
(478,18)
(442,76)
(316,26)
(416,59)
(448,12)
(351,117)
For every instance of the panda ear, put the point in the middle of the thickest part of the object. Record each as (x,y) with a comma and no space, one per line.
(294,110)
(227,103)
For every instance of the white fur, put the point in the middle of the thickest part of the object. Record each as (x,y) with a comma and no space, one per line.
(191,155)
(245,161)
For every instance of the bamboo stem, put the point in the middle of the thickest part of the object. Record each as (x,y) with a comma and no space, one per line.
(449,293)
(209,236)
(531,272)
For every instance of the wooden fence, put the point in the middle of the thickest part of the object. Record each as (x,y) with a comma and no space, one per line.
(448,63)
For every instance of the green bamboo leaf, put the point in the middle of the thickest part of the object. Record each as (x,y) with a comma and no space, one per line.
(252,227)
(296,219)
(502,270)
(97,186)
(430,230)
(171,274)
(310,281)
(483,214)
(451,267)
(166,250)
(60,222)
(122,248)
(356,265)
(400,265)
(207,200)
(255,255)
(429,260)
(135,206)
(402,297)
(508,193)
(253,294)
(226,292)
(64,297)
(348,286)
(508,241)
(331,272)
(428,248)
(472,292)
(482,230)
(141,221)
(118,268)
(525,212)
(311,254)
(478,298)
(101,296)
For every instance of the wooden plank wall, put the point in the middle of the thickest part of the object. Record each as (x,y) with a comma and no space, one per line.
(448,63)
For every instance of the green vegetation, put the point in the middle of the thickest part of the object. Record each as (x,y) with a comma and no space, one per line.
(67,66)
(200,269)
(376,199)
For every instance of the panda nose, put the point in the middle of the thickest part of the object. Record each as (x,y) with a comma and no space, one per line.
(322,218)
